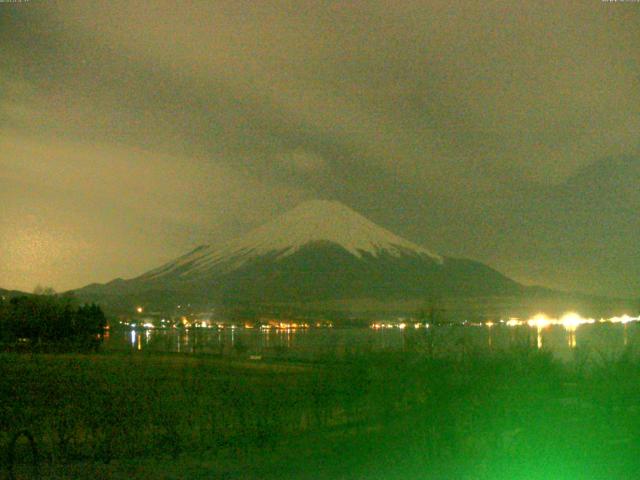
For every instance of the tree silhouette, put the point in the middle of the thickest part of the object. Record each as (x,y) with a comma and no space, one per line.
(50,322)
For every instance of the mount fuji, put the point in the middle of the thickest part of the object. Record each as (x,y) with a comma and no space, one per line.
(318,251)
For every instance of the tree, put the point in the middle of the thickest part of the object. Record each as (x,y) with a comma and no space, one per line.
(44,291)
(50,322)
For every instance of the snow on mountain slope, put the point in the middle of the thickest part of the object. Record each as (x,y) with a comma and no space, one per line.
(313,221)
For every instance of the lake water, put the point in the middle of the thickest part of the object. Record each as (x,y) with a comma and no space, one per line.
(595,339)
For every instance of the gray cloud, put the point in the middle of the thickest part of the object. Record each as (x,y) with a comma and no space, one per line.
(164,125)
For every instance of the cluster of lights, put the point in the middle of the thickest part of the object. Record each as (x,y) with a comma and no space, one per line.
(400,326)
(186,323)
(570,321)
(622,319)
(324,324)
(290,325)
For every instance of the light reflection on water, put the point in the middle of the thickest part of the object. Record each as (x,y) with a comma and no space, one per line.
(598,339)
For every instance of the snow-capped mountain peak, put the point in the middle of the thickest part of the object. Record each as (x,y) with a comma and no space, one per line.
(322,220)
(319,251)
(309,222)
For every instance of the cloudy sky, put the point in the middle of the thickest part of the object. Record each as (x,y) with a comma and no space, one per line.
(508,132)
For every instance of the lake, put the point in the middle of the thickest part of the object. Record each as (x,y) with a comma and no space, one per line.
(598,339)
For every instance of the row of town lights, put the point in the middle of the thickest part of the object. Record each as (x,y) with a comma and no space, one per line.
(570,321)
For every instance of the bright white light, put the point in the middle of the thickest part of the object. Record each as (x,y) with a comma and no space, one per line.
(513,322)
(624,319)
(539,321)
(571,321)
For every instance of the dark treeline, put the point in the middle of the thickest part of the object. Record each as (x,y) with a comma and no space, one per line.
(49,322)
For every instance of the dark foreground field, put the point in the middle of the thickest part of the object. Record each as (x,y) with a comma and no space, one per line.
(507,415)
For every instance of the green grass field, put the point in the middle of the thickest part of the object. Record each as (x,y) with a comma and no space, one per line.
(500,415)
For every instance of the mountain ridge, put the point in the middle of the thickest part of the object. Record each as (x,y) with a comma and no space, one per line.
(312,221)
(318,251)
